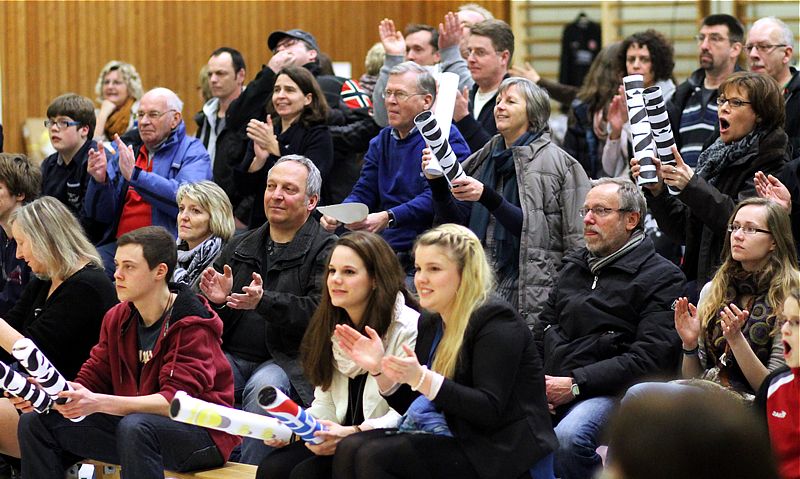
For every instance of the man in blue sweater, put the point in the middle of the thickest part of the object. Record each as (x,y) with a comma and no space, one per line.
(391,183)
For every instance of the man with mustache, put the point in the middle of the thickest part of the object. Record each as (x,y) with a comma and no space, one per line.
(607,324)
(693,107)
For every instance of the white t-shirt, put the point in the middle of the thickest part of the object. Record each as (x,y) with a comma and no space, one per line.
(482,99)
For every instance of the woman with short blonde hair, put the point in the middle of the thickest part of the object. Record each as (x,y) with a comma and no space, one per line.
(205,224)
(118,89)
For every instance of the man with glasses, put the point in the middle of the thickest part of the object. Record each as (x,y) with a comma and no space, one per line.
(607,324)
(693,109)
(391,182)
(140,189)
(437,50)
(770,49)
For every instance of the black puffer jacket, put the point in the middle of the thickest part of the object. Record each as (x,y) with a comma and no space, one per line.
(698,216)
(614,329)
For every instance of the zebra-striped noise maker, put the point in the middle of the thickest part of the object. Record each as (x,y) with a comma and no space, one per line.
(41,369)
(661,128)
(641,134)
(279,406)
(445,161)
(15,384)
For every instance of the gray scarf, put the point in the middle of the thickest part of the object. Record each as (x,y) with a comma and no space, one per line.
(596,263)
(713,160)
(191,263)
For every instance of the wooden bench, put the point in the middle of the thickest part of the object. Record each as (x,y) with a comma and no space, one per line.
(231,470)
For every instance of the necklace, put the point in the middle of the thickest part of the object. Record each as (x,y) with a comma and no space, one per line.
(353,403)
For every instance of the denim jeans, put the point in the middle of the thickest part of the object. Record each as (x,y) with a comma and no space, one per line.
(249,377)
(143,444)
(578,433)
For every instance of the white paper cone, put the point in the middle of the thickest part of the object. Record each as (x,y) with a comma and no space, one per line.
(189,410)
(446,100)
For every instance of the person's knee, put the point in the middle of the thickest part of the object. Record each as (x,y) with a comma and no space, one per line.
(134,429)
(29,423)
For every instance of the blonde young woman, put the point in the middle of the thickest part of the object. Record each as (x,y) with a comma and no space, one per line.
(205,224)
(727,339)
(474,381)
(118,90)
(62,308)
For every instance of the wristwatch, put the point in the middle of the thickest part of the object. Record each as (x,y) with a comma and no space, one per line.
(390,224)
(576,391)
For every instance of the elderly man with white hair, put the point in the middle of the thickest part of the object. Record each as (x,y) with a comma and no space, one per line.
(140,190)
(770,49)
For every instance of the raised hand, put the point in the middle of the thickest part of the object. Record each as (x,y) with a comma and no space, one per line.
(733,320)
(329,223)
(217,286)
(450,33)
(127,160)
(772,188)
(393,41)
(97,163)
(461,107)
(366,351)
(250,295)
(687,324)
(679,174)
(525,71)
(657,187)
(406,370)
(374,223)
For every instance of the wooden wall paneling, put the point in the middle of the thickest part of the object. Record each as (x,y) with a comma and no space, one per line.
(52,47)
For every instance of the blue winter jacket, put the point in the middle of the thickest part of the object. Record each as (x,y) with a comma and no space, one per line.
(180,159)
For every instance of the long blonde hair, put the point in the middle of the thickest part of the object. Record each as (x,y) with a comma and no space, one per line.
(780,268)
(477,282)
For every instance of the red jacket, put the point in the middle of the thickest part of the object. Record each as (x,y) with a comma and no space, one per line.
(187,357)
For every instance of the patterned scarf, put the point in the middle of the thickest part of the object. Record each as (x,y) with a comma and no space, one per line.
(748,291)
(192,262)
(596,263)
(713,160)
(119,120)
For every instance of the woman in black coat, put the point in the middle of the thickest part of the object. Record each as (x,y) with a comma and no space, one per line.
(296,125)
(751,117)
(473,388)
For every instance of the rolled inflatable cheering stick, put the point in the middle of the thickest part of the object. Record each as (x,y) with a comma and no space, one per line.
(279,406)
(641,134)
(661,128)
(445,161)
(41,369)
(189,410)
(16,385)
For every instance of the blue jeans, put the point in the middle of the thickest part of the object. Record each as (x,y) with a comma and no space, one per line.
(578,433)
(660,389)
(249,377)
(143,444)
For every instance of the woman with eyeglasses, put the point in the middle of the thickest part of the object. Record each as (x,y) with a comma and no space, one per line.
(751,115)
(728,339)
(118,90)
(520,195)
(62,308)
(296,124)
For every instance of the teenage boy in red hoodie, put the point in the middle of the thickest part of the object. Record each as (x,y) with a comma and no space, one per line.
(161,338)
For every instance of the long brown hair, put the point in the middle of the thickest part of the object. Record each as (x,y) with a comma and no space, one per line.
(603,79)
(384,269)
(781,267)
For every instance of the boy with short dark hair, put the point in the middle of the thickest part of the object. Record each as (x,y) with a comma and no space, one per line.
(70,124)
(20,181)
(160,339)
